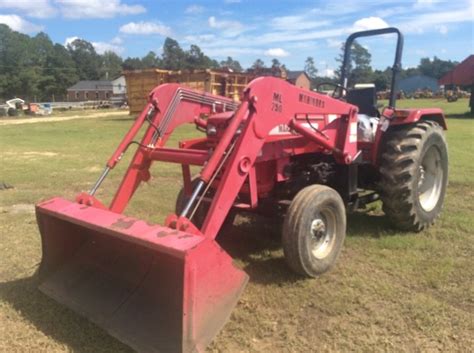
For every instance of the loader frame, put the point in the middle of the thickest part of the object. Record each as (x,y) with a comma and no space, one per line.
(244,138)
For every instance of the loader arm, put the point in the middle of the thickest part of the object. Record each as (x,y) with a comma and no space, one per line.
(269,103)
(169,106)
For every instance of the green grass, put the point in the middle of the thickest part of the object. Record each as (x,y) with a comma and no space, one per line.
(459,107)
(390,291)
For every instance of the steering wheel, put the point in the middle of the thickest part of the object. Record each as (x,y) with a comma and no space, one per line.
(337,88)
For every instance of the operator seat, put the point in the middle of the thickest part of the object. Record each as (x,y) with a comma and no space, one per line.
(364,98)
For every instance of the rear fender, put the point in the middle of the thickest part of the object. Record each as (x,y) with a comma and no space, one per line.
(411,116)
(400,117)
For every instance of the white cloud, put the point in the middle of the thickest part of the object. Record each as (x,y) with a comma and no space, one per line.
(420,52)
(420,4)
(369,23)
(334,43)
(433,20)
(223,52)
(17,23)
(299,31)
(229,28)
(31,8)
(97,8)
(102,47)
(276,53)
(116,40)
(69,40)
(200,38)
(194,9)
(443,29)
(328,73)
(392,11)
(145,28)
(297,23)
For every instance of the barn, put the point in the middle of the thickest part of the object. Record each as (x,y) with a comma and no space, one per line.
(462,75)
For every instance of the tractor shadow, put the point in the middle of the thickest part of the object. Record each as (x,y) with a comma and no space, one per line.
(369,225)
(55,320)
(255,241)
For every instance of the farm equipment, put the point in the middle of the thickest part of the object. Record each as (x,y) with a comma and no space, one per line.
(283,150)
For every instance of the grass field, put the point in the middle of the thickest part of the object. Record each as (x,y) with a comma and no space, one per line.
(390,291)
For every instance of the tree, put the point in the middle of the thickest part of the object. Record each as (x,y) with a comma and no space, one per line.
(275,64)
(59,73)
(111,66)
(381,79)
(21,61)
(408,72)
(173,56)
(258,66)
(132,64)
(231,64)
(311,71)
(435,68)
(359,69)
(194,58)
(87,61)
(150,60)
(310,68)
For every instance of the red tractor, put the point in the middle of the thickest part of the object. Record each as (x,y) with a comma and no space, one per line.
(306,156)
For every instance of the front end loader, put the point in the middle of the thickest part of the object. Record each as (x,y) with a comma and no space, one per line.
(302,156)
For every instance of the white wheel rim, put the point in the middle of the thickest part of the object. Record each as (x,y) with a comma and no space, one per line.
(322,233)
(430,179)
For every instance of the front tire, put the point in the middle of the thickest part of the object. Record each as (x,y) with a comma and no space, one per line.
(314,230)
(414,175)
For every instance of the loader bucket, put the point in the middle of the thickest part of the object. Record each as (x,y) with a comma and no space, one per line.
(154,288)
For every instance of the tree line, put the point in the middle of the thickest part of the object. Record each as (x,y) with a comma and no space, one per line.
(35,68)
(361,71)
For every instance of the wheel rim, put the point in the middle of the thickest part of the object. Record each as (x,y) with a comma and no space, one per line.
(430,179)
(323,233)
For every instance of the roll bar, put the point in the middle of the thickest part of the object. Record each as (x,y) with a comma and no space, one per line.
(396,65)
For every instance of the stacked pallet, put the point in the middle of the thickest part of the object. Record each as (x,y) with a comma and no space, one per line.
(220,82)
(139,85)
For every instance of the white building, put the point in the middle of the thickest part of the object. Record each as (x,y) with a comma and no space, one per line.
(119,86)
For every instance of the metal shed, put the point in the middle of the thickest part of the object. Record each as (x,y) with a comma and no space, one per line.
(419,82)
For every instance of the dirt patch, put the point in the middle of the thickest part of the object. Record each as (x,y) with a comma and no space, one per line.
(46,154)
(18,208)
(94,169)
(31,153)
(59,118)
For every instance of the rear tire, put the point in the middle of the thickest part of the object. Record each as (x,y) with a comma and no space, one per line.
(414,175)
(314,230)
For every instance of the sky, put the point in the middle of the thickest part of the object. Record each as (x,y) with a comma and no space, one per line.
(246,30)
